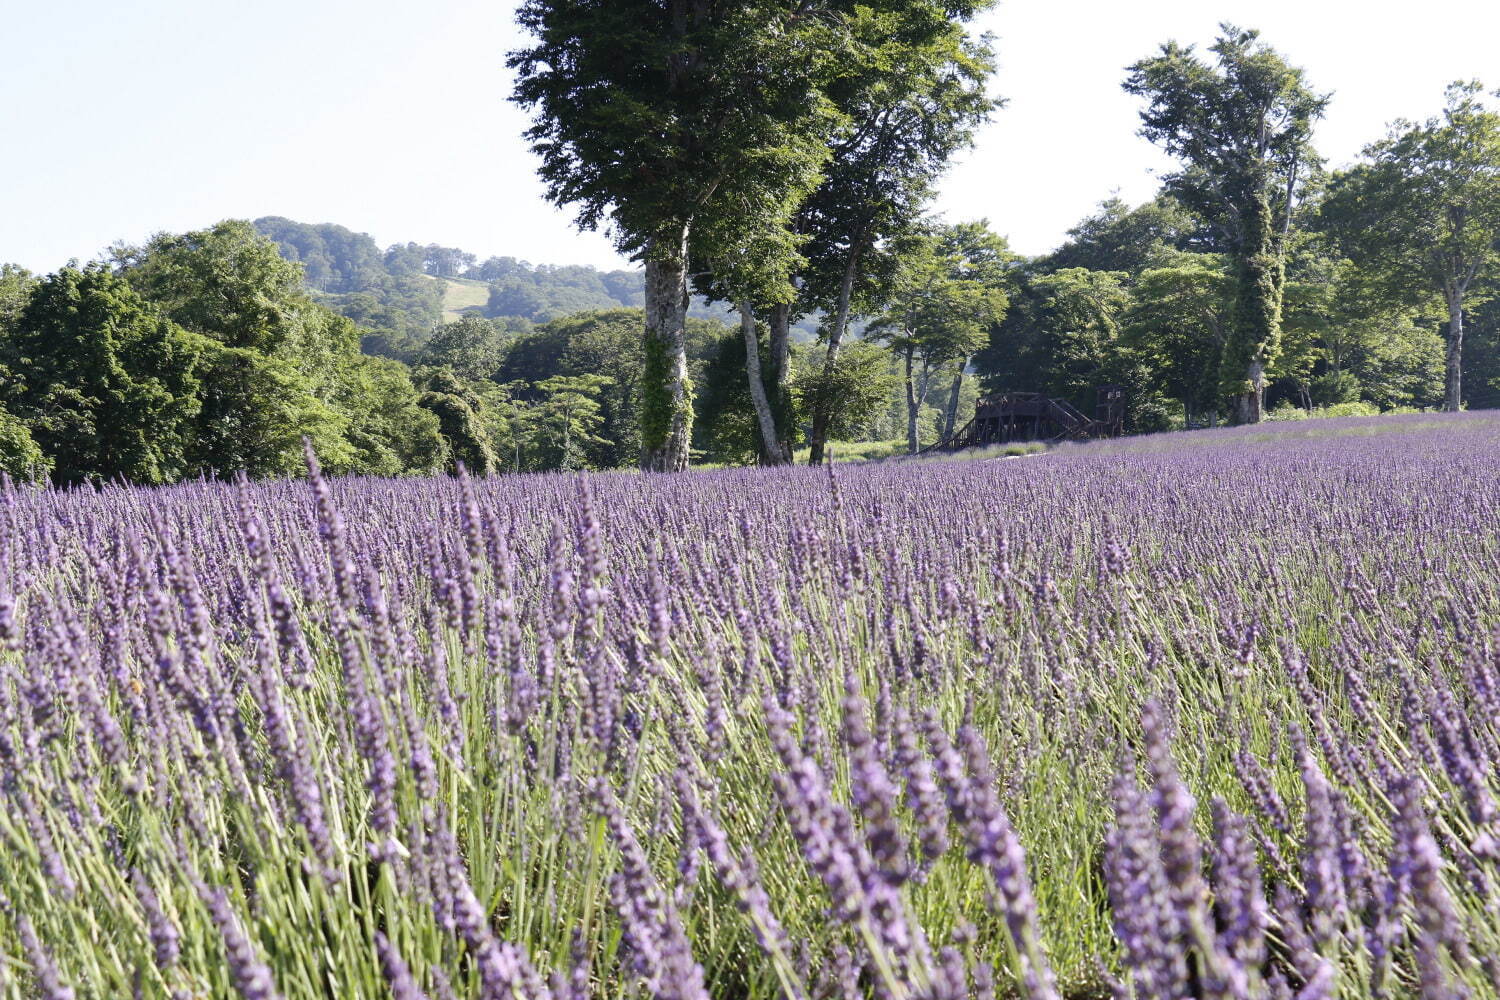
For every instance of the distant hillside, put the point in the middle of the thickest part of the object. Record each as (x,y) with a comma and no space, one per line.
(400,293)
(461,295)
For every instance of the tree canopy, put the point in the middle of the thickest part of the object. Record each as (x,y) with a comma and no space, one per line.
(1422,216)
(1242,127)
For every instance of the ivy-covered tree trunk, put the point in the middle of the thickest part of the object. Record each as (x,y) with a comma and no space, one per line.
(1453,394)
(1256,334)
(770,442)
(666,393)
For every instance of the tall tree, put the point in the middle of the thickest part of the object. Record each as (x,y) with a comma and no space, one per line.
(1084,309)
(254,411)
(679,120)
(913,98)
(567,418)
(460,412)
(1118,237)
(1424,214)
(1242,128)
(1180,316)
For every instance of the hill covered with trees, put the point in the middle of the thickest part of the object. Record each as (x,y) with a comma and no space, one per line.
(400,294)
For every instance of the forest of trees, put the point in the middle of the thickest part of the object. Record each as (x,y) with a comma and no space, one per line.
(796,289)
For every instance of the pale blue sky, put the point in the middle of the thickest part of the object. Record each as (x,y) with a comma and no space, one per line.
(127,117)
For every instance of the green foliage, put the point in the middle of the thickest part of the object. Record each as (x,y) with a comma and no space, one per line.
(854,389)
(289,367)
(254,411)
(471,346)
(227,282)
(912,91)
(1355,408)
(1334,387)
(506,413)
(1481,349)
(1179,319)
(1347,341)
(858,451)
(1081,332)
(663,122)
(565,420)
(107,388)
(438,261)
(200,356)
(388,433)
(725,431)
(1422,217)
(398,313)
(16,286)
(20,456)
(699,134)
(606,343)
(392,299)
(333,259)
(949,293)
(663,406)
(1128,240)
(1085,308)
(1241,126)
(950,290)
(461,418)
(544,292)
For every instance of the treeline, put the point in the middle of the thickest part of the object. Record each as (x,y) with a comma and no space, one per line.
(203,355)
(1144,297)
(1379,291)
(197,355)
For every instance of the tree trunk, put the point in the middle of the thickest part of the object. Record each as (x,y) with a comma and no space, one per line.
(1249,406)
(822,405)
(770,443)
(1256,333)
(950,419)
(780,376)
(1453,397)
(913,406)
(666,393)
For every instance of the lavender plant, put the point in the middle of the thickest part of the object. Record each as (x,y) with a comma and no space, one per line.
(1212,715)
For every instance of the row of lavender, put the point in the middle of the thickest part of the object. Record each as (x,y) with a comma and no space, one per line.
(1207,715)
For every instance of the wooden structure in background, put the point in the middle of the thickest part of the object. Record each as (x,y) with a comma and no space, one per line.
(1030,416)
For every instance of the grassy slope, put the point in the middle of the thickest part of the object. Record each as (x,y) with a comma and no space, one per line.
(461,295)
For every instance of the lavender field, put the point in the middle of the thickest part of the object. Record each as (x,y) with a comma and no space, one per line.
(1202,715)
